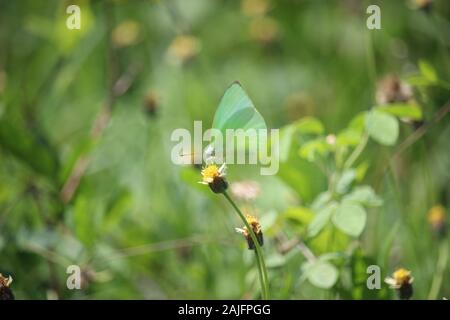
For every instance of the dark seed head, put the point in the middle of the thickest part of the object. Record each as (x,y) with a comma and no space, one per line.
(6,293)
(219,185)
(405,292)
(151,104)
(251,244)
(425,5)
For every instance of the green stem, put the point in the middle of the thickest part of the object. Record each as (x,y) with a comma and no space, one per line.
(259,255)
(260,275)
(370,58)
(440,269)
(356,153)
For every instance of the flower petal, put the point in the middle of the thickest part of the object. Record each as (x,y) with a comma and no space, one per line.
(390,281)
(223,169)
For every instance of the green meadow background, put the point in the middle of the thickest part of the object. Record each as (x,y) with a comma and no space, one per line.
(86,176)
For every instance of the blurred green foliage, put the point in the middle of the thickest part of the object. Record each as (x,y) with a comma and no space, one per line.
(86,176)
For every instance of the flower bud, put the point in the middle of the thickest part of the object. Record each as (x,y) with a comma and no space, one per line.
(214,177)
(256,227)
(5,291)
(437,219)
(401,281)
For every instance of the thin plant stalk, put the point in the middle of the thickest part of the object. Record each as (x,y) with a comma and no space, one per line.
(357,152)
(440,269)
(258,251)
(260,275)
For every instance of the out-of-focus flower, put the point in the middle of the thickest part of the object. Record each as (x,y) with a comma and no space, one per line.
(391,89)
(437,219)
(401,280)
(331,139)
(214,177)
(256,227)
(299,104)
(183,48)
(253,8)
(5,291)
(264,29)
(398,48)
(425,5)
(125,34)
(245,190)
(151,103)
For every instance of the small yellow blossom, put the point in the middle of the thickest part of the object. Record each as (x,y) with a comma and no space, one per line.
(254,223)
(214,177)
(256,227)
(211,172)
(401,277)
(401,280)
(126,34)
(264,30)
(183,48)
(436,216)
(438,221)
(255,7)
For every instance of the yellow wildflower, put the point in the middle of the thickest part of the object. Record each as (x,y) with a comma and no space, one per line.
(214,177)
(401,280)
(256,227)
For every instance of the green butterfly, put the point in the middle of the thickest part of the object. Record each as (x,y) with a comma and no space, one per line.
(235,111)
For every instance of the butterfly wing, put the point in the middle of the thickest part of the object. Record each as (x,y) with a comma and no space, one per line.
(236,111)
